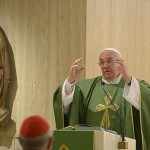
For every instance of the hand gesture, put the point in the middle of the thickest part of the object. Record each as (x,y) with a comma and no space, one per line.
(123,69)
(75,70)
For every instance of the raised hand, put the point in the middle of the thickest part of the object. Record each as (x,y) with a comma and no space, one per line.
(123,69)
(75,70)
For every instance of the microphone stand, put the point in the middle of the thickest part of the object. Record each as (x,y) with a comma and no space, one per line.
(122,144)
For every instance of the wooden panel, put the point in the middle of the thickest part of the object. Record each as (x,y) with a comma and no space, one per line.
(46,36)
(123,25)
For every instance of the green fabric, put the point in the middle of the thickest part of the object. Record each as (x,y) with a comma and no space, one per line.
(89,94)
(58,108)
(144,114)
(79,140)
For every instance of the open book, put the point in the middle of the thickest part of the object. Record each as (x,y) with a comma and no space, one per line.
(86,127)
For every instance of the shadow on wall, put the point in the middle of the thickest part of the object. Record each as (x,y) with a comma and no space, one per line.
(8,88)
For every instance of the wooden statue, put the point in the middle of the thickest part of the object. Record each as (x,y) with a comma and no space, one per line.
(4,81)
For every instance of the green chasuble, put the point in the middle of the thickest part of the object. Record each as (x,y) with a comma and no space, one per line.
(91,106)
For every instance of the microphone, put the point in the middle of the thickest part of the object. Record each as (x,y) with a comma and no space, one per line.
(119,115)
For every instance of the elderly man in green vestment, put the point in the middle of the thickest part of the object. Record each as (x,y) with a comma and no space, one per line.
(87,103)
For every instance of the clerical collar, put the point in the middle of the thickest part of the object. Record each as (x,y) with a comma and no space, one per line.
(114,81)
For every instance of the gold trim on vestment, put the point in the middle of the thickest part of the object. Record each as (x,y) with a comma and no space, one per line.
(105,123)
(63,147)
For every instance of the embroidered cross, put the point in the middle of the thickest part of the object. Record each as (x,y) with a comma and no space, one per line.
(105,123)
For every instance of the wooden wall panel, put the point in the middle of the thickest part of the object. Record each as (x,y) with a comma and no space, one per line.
(123,25)
(46,36)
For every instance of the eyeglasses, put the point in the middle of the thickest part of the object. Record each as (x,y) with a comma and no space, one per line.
(108,62)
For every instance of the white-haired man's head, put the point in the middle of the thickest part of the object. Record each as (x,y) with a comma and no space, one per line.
(36,134)
(112,50)
(108,58)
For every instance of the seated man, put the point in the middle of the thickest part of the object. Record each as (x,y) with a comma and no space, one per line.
(87,102)
(36,134)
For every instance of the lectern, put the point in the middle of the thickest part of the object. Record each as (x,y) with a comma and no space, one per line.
(88,140)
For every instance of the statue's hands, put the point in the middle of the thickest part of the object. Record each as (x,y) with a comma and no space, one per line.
(75,70)
(123,70)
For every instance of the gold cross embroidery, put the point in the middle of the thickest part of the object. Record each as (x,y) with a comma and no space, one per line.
(63,147)
(105,123)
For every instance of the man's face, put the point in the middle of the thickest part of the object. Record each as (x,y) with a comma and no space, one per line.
(108,66)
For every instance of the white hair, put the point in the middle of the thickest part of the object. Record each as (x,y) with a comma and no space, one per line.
(112,50)
(37,142)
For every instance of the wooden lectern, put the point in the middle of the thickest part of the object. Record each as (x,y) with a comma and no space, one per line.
(88,140)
